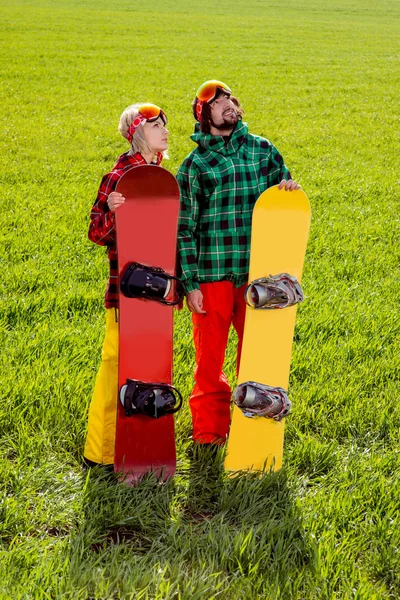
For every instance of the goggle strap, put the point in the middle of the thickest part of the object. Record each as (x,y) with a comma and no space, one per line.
(199,109)
(139,120)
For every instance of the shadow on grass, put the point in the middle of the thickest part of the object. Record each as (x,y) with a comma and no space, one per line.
(202,532)
(117,513)
(247,525)
(206,480)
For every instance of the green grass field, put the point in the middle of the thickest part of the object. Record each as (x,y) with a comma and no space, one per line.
(321,81)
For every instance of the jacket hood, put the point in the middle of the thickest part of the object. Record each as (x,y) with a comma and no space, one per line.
(216,143)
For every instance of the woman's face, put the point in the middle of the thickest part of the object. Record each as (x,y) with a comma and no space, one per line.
(156,135)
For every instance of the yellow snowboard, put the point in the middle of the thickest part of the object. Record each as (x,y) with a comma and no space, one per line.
(281,221)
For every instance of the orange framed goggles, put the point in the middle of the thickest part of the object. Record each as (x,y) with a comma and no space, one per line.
(151,112)
(147,112)
(209,89)
(207,92)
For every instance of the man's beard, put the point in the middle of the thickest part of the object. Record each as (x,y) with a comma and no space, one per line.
(226,123)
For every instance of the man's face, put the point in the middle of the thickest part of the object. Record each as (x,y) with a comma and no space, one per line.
(223,112)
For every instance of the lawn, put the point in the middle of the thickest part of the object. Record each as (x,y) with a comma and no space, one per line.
(321,81)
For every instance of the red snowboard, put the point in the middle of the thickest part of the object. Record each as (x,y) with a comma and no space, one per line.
(146,227)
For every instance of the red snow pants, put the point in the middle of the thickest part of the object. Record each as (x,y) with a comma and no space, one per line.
(211,396)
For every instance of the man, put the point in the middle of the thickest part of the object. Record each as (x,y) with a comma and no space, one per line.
(220,182)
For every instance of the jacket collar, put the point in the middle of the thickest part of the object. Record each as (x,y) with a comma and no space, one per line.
(216,143)
(137,158)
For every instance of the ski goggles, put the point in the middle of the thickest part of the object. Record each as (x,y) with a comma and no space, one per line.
(207,93)
(147,112)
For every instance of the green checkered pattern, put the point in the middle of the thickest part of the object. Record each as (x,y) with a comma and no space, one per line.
(220,182)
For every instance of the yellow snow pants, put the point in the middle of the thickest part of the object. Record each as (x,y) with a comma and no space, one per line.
(100,440)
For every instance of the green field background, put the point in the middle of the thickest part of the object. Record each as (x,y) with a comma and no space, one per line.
(321,81)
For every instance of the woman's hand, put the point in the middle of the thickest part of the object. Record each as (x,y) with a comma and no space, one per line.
(114,200)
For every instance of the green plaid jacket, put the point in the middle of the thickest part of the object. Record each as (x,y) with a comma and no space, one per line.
(220,183)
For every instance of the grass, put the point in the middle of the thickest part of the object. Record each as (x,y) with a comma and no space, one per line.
(320,81)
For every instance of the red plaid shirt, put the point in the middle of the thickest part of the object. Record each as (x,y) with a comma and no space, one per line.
(102,220)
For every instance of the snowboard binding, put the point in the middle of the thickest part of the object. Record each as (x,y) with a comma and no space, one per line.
(275,291)
(151,283)
(258,400)
(151,399)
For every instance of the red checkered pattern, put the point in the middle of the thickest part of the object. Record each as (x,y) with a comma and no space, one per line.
(102,220)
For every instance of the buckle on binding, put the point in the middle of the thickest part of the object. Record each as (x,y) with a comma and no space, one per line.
(275,291)
(260,400)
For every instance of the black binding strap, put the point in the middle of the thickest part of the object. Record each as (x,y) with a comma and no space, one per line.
(151,399)
(151,283)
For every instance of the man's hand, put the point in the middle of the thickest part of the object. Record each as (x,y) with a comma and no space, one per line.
(114,200)
(194,300)
(289,185)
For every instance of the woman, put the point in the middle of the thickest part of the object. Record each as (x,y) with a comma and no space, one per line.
(144,126)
